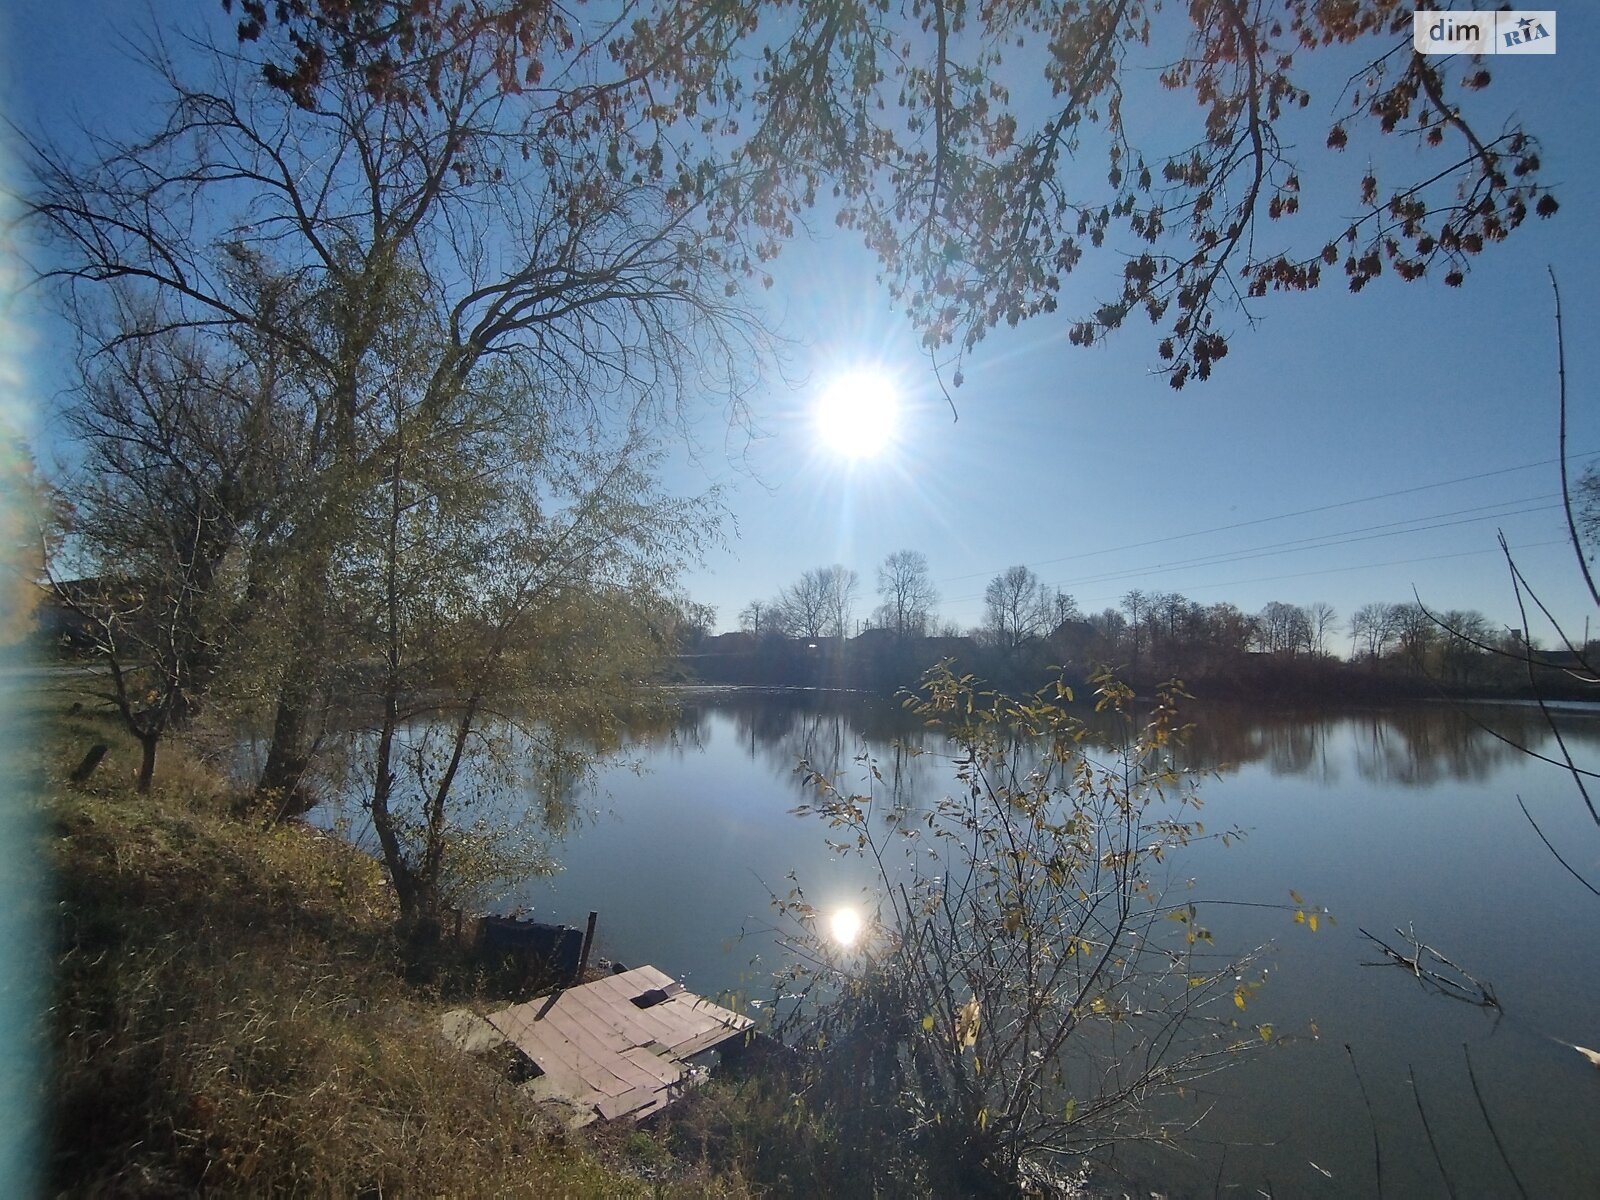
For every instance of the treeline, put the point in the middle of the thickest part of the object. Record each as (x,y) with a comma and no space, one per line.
(809,634)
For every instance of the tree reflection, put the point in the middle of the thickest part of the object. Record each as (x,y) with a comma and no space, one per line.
(1418,745)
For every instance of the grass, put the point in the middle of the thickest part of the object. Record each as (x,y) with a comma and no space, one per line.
(230,1015)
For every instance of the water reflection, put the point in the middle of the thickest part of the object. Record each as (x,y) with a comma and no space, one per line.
(829,731)
(1385,816)
(1414,746)
(1419,746)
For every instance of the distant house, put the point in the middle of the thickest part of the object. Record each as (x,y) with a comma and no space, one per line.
(1580,663)
(869,639)
(739,642)
(1070,640)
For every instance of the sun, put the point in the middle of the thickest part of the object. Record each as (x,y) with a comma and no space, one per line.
(845,926)
(858,414)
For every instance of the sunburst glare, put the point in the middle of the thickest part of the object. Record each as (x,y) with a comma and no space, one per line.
(845,926)
(858,414)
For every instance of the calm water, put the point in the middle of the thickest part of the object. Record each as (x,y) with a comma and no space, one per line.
(1387,818)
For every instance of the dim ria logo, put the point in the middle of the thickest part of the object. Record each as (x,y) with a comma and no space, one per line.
(1516,31)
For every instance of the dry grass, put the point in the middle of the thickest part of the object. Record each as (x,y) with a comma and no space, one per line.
(230,1018)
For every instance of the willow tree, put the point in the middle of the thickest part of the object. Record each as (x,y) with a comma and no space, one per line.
(987,153)
(419,192)
(506,578)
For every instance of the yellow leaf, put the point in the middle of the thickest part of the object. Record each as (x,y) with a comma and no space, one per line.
(1197,981)
(927,1023)
(1238,997)
(967,1024)
(1265,1031)
(983,1119)
(1312,921)
(1299,918)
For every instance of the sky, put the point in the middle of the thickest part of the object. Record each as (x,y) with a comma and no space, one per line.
(1350,448)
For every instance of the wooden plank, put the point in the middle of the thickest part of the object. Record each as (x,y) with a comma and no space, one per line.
(636,1025)
(635,1105)
(663,1072)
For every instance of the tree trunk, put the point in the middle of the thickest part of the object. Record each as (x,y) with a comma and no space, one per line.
(287,760)
(147,761)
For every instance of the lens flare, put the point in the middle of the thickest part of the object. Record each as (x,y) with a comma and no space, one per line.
(858,414)
(845,925)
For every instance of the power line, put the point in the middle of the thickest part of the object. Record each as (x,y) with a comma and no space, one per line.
(1295,547)
(1365,533)
(1424,487)
(1399,562)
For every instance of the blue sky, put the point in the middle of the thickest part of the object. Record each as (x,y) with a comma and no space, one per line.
(1411,404)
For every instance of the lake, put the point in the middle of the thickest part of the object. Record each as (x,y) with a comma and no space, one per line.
(1404,817)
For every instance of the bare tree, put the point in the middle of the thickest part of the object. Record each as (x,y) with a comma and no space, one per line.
(907,593)
(759,617)
(810,604)
(1137,607)
(177,471)
(1414,630)
(1324,619)
(1063,608)
(1016,608)
(1373,628)
(1283,629)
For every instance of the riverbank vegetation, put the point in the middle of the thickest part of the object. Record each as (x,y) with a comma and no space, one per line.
(232,1013)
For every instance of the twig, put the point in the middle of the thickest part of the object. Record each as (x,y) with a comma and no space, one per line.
(1485,997)
(1493,1132)
(1416,1095)
(1372,1120)
(1570,869)
(1566,491)
(1518,584)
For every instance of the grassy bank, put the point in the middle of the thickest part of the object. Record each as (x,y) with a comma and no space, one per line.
(230,1015)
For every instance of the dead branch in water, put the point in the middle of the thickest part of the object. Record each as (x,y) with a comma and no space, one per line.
(1421,963)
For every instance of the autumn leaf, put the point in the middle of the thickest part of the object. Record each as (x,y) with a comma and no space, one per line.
(967,1024)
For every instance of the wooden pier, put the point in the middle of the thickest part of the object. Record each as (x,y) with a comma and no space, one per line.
(614,1049)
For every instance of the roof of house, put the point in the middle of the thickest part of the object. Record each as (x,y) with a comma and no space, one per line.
(616,1047)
